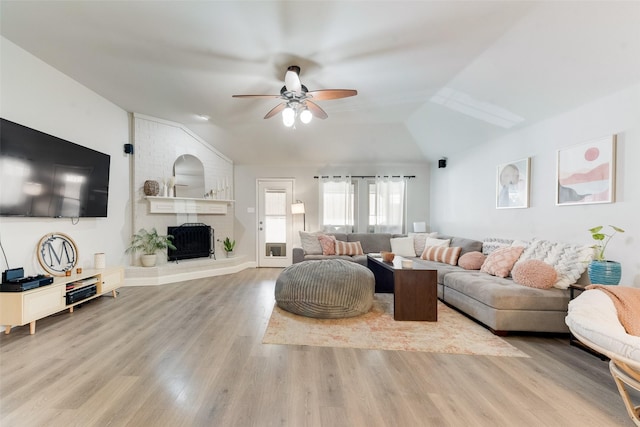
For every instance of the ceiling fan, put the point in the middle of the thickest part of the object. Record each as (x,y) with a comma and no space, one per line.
(298,101)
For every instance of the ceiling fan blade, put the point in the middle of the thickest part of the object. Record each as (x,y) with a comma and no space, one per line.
(275,110)
(256,96)
(316,110)
(327,94)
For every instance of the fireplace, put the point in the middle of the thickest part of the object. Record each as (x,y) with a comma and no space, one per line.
(192,240)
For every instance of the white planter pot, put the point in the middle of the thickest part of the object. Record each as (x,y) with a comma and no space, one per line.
(148,260)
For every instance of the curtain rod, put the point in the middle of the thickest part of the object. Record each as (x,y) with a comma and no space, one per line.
(365,176)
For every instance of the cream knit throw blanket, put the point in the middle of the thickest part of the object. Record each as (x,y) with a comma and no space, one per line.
(627,303)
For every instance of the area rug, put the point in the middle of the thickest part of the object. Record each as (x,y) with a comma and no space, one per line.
(452,333)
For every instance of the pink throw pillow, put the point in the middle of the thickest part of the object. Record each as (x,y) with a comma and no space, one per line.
(472,260)
(535,274)
(500,262)
(328,244)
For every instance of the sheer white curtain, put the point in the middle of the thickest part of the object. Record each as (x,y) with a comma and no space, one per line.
(390,205)
(336,204)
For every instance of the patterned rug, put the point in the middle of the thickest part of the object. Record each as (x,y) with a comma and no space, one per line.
(452,333)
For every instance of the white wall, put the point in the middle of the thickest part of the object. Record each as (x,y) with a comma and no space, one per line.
(463,194)
(306,190)
(36,95)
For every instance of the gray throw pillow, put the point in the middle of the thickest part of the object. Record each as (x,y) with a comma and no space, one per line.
(310,243)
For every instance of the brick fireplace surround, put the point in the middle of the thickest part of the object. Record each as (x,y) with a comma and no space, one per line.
(158,143)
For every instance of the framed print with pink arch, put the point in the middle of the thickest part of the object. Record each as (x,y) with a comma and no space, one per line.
(586,173)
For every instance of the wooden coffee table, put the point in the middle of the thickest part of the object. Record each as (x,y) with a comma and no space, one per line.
(415,290)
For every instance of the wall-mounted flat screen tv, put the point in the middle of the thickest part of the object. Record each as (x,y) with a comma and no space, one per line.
(45,176)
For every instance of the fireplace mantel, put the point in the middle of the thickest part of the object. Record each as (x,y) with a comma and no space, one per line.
(182,205)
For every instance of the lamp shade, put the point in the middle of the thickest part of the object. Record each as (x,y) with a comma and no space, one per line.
(419,227)
(297,208)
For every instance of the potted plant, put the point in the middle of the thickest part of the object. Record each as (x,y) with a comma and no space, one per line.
(602,270)
(149,243)
(228,245)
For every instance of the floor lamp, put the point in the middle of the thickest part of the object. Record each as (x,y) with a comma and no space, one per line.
(297,208)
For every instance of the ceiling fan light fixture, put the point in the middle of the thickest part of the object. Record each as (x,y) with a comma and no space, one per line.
(288,116)
(306,116)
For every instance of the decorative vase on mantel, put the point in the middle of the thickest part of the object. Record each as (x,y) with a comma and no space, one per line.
(151,188)
(605,272)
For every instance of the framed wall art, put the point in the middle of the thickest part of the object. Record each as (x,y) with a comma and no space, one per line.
(512,184)
(586,173)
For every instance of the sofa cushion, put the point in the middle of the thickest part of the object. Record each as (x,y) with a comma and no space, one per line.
(403,246)
(466,245)
(500,262)
(328,244)
(348,248)
(419,240)
(569,261)
(504,294)
(442,268)
(371,242)
(534,273)
(310,243)
(340,236)
(471,260)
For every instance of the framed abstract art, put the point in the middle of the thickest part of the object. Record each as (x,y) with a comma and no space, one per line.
(586,173)
(512,184)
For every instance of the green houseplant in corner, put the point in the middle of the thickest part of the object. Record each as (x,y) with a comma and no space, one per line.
(149,243)
(228,245)
(601,270)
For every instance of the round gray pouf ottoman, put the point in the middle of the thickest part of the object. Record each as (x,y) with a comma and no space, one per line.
(326,289)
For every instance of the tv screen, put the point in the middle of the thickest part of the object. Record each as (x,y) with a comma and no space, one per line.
(45,176)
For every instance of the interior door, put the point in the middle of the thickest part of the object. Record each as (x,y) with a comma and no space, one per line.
(275,225)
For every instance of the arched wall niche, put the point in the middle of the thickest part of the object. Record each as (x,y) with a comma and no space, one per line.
(189,173)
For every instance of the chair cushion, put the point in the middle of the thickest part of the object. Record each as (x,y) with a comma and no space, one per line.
(593,317)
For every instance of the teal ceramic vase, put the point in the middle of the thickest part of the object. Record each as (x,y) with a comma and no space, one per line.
(605,272)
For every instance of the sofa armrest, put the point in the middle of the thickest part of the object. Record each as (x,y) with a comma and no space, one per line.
(298,255)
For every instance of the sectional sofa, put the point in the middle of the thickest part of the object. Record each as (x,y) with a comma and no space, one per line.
(497,302)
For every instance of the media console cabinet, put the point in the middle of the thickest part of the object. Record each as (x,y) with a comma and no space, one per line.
(20,308)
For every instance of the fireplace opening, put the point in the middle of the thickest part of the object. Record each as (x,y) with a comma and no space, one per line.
(192,240)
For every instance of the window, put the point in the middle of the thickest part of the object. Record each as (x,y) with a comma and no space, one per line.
(337,204)
(387,205)
(275,216)
(381,205)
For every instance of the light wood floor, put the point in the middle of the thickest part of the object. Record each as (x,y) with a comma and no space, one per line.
(190,354)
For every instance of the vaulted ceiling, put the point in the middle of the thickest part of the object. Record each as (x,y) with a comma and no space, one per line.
(433,77)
